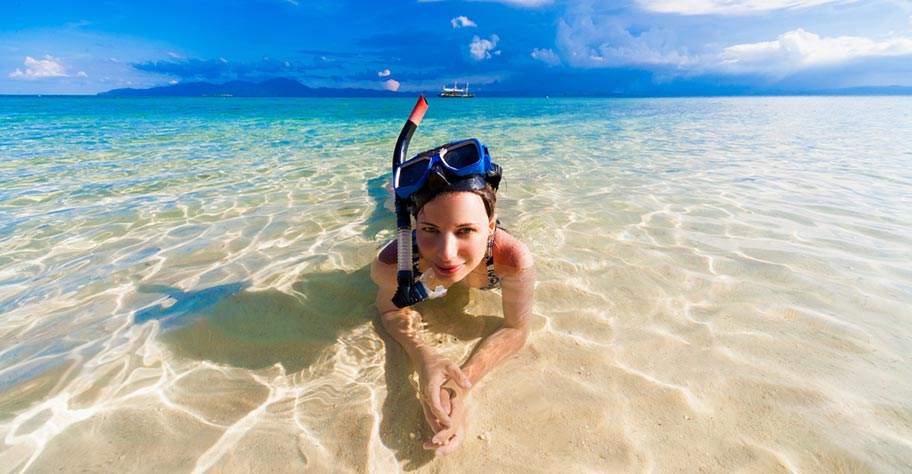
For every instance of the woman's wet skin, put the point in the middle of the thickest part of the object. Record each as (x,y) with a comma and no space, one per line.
(452,235)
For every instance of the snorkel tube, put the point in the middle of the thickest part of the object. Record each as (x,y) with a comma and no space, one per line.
(409,292)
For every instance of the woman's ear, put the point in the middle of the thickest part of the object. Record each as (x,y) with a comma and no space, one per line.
(492,224)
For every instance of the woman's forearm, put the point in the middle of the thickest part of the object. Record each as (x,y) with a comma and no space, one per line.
(433,369)
(404,325)
(518,288)
(493,349)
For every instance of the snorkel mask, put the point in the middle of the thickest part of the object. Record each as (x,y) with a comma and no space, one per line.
(445,166)
(459,166)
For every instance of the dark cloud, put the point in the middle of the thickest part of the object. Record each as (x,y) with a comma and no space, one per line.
(417,75)
(220,70)
(870,71)
(330,54)
(417,49)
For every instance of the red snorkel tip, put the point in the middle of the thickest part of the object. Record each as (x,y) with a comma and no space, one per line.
(418,112)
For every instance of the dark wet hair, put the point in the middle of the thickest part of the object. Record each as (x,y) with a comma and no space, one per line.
(488,195)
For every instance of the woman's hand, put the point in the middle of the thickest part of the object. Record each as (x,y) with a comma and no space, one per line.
(435,370)
(447,439)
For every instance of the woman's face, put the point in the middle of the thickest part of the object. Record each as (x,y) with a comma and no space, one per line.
(453,232)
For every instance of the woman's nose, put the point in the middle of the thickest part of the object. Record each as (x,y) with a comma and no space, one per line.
(446,249)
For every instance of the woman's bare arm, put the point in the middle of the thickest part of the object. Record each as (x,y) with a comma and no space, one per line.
(513,263)
(403,325)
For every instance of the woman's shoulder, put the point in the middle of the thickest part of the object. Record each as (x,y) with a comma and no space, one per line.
(389,254)
(510,252)
(383,268)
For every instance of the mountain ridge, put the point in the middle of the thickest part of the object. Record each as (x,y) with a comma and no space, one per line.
(277,87)
(282,87)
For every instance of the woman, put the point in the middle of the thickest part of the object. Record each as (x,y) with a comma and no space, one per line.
(458,242)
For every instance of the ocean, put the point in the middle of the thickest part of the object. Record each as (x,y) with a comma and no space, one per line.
(723,286)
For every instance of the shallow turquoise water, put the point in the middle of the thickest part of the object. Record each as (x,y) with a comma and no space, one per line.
(200,266)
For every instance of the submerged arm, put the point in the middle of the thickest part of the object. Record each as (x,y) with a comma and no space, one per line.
(518,285)
(403,325)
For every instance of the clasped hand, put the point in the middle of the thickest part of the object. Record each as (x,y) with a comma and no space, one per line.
(447,438)
(443,392)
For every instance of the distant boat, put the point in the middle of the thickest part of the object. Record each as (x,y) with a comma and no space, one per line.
(455,91)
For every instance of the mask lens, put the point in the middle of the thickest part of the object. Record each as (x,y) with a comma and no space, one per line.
(412,171)
(462,156)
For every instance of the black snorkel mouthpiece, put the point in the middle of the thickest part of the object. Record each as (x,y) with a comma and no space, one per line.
(409,292)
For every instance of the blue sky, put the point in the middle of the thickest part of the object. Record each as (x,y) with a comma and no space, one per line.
(556,46)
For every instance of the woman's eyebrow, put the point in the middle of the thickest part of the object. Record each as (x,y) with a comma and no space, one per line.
(463,224)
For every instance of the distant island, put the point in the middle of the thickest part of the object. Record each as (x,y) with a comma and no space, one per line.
(291,88)
(267,88)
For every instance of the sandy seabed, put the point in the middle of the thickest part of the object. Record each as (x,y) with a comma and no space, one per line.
(724,288)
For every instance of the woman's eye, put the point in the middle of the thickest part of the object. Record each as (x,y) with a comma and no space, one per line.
(466,230)
(429,229)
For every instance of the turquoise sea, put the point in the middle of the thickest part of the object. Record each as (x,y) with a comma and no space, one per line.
(724,286)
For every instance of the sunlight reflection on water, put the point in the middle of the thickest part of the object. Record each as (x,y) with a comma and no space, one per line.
(184,286)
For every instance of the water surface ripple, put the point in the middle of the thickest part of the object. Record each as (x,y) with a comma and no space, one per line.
(723,286)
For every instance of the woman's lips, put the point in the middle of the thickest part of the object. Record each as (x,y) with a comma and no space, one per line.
(447,270)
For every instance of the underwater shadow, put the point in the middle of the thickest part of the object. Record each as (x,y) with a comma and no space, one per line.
(231,325)
(383,216)
(403,428)
(187,304)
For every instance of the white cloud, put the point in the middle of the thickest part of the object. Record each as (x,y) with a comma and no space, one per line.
(176,55)
(81,74)
(384,73)
(40,68)
(391,85)
(462,22)
(482,48)
(547,56)
(603,42)
(798,49)
(729,7)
